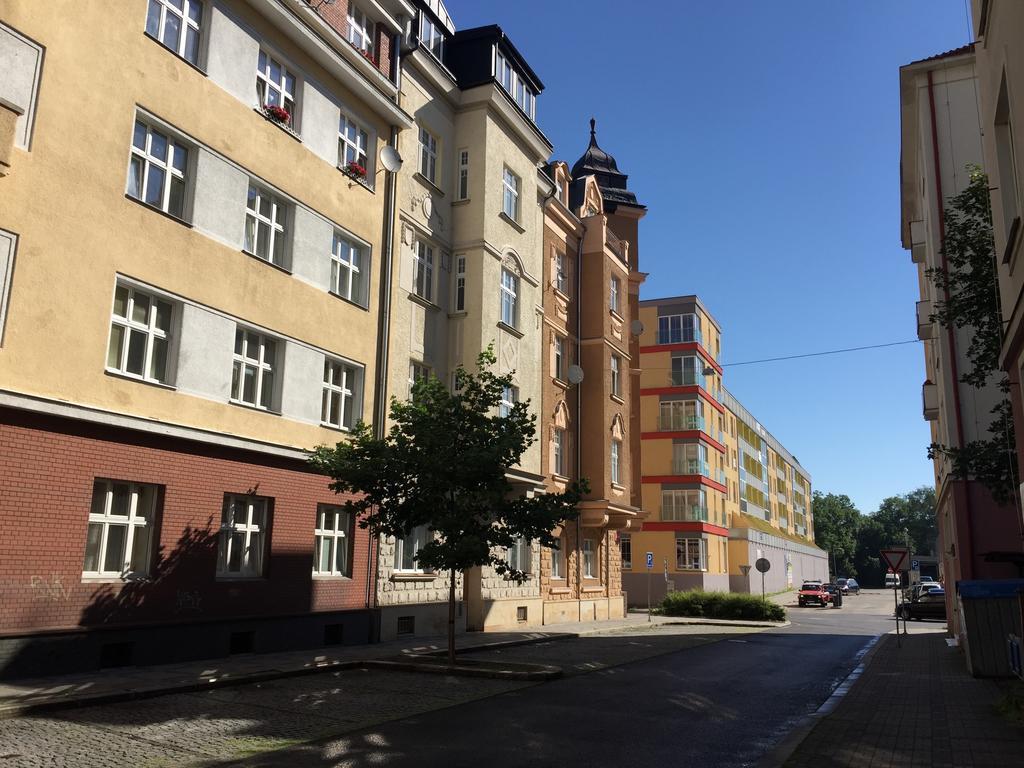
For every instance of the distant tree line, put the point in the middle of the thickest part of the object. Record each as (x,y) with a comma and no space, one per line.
(853,539)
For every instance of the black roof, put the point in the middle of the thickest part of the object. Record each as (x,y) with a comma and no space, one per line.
(610,180)
(469,56)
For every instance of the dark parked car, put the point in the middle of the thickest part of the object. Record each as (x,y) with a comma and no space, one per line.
(849,586)
(927,604)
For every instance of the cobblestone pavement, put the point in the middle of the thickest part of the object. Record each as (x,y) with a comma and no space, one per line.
(230,723)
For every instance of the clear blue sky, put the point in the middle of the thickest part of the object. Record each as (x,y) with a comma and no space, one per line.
(764,139)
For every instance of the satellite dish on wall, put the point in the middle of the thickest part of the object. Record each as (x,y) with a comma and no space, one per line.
(636,327)
(390,159)
(575,374)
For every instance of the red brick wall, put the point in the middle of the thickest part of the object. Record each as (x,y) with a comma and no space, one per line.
(337,16)
(47,468)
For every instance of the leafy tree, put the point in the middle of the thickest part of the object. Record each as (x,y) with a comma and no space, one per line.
(971,300)
(836,523)
(910,519)
(442,465)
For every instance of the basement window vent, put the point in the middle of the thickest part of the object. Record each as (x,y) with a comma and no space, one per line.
(406,625)
(241,642)
(521,613)
(333,634)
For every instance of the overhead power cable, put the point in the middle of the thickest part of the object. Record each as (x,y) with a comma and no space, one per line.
(819,354)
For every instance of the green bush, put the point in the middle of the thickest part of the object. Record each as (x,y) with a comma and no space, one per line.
(721,605)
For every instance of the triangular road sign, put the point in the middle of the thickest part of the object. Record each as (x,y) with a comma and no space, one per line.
(896,559)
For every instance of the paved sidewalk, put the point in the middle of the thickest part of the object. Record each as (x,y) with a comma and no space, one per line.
(914,707)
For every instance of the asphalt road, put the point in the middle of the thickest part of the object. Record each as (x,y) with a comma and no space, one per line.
(720,704)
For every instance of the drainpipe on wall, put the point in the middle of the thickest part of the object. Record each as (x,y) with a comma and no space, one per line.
(950,332)
(579,407)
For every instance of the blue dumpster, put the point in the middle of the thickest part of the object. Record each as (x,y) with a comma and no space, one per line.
(990,609)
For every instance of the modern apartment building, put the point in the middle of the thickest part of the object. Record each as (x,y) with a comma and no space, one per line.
(720,491)
(189,300)
(941,137)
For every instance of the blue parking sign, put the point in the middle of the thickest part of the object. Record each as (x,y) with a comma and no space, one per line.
(915,565)
(650,559)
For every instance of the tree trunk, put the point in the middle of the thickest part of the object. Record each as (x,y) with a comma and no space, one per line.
(451,618)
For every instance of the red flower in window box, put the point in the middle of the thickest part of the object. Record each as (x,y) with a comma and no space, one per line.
(369,57)
(355,170)
(276,113)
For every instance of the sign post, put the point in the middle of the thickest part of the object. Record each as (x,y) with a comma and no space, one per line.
(895,558)
(650,568)
(763,565)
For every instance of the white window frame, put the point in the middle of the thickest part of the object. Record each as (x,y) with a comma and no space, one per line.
(428,155)
(509,298)
(417,371)
(276,225)
(616,457)
(189,19)
(149,329)
(342,385)
(353,143)
(135,522)
(462,185)
(256,524)
(360,29)
(691,551)
(277,93)
(338,538)
(423,270)
(459,293)
(348,269)
(626,551)
(511,184)
(173,166)
(558,446)
(431,36)
(558,562)
(613,294)
(616,371)
(514,84)
(418,537)
(263,364)
(509,397)
(520,554)
(678,329)
(561,280)
(677,504)
(591,568)
(558,344)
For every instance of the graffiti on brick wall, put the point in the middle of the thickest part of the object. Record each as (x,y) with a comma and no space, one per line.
(49,587)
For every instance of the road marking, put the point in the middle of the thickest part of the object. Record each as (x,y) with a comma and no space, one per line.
(737,641)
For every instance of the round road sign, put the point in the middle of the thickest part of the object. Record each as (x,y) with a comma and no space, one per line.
(763,565)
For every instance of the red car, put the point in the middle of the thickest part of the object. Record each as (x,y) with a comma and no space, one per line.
(813,592)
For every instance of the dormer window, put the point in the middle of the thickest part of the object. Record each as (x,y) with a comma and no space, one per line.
(360,29)
(431,36)
(514,85)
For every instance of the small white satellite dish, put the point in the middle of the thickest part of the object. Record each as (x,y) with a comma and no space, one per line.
(575,374)
(390,159)
(636,327)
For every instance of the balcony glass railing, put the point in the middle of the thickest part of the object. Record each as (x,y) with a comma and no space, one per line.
(698,514)
(687,379)
(678,336)
(678,423)
(692,467)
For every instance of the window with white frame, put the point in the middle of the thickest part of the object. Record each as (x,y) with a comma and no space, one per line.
(408,546)
(417,372)
(626,551)
(332,548)
(673,329)
(687,370)
(684,505)
(266,233)
(459,294)
(120,535)
(514,84)
(561,277)
(509,397)
(682,415)
(348,269)
(616,454)
(616,371)
(558,447)
(353,141)
(241,542)
(509,298)
(589,559)
(342,390)
(140,335)
(510,194)
(428,155)
(360,29)
(559,351)
(691,554)
(558,561)
(176,23)
(462,190)
(431,36)
(613,294)
(275,86)
(254,370)
(157,170)
(423,272)
(519,555)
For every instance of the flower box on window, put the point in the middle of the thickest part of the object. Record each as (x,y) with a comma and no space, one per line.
(354,171)
(278,114)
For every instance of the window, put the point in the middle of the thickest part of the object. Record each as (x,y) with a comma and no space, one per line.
(616,452)
(431,36)
(352,143)
(275,86)
(510,198)
(626,551)
(332,555)
(613,295)
(462,193)
(691,554)
(509,397)
(561,278)
(360,29)
(407,547)
(175,23)
(558,561)
(589,559)
(265,234)
(559,349)
(674,329)
(156,172)
(252,378)
(684,506)
(509,298)
(682,415)
(423,277)
(428,156)
(417,372)
(242,538)
(514,85)
(616,364)
(460,284)
(1005,159)
(121,520)
(342,387)
(519,555)
(348,270)
(558,452)
(140,329)
(687,371)
(690,459)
